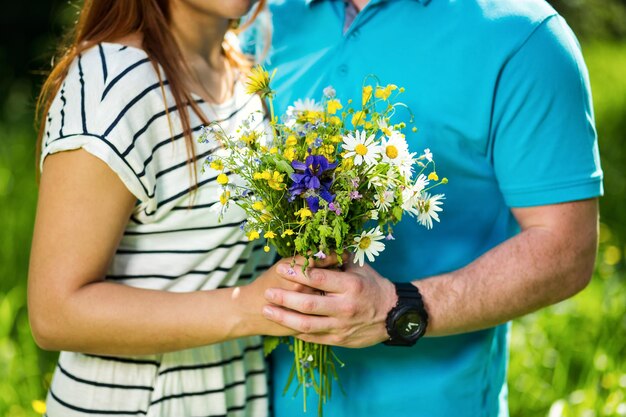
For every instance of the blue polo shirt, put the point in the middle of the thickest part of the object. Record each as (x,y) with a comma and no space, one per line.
(501,96)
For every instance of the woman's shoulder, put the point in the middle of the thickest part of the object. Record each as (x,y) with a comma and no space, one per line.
(109,87)
(111,68)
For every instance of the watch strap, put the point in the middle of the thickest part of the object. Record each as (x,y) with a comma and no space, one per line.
(408,297)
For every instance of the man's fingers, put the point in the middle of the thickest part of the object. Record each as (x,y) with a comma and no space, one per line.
(297,321)
(329,261)
(321,279)
(313,304)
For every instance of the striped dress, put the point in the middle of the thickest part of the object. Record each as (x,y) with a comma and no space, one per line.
(112,105)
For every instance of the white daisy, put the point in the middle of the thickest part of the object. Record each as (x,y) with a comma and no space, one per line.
(429,208)
(368,244)
(382,182)
(362,147)
(412,195)
(300,106)
(394,149)
(385,128)
(383,201)
(420,183)
(406,166)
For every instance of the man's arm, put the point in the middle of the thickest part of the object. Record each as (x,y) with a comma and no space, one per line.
(550,260)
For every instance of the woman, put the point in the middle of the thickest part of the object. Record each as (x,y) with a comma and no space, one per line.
(129,263)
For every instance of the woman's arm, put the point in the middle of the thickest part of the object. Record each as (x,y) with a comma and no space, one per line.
(82,211)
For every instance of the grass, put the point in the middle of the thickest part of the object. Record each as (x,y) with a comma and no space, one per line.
(568,360)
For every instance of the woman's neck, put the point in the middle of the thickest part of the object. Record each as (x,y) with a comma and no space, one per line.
(199,36)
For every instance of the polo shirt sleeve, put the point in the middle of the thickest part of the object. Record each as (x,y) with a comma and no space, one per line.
(545,148)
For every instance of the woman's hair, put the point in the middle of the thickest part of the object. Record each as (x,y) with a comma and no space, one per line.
(110,20)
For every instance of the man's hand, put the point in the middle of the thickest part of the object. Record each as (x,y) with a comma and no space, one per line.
(349,309)
(550,260)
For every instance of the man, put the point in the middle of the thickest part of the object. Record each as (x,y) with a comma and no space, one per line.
(501,96)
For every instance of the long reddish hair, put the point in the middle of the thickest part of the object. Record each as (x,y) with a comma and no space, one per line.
(110,20)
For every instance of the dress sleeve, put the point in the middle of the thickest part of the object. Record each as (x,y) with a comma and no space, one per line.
(544,142)
(85,114)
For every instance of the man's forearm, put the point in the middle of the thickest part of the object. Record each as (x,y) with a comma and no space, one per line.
(534,269)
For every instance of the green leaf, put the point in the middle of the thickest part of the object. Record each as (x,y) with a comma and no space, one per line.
(397,213)
(284,166)
(269,344)
(325,230)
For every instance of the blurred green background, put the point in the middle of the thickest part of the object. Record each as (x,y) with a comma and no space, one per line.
(567,360)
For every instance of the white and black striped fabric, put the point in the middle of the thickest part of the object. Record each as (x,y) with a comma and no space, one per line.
(112,105)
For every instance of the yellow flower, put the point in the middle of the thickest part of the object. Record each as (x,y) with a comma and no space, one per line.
(310,139)
(367,94)
(328,151)
(385,92)
(433,176)
(39,406)
(224,197)
(333,106)
(358,118)
(269,235)
(347,163)
(252,235)
(287,232)
(290,153)
(250,138)
(266,248)
(222,179)
(258,205)
(276,181)
(257,176)
(310,116)
(335,120)
(273,151)
(336,139)
(259,82)
(291,140)
(266,175)
(217,165)
(304,212)
(265,217)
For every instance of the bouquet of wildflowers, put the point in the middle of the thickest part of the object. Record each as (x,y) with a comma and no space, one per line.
(324,180)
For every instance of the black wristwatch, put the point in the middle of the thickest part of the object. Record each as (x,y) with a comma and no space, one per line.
(407,321)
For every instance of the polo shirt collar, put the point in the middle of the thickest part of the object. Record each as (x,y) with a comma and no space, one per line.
(423,2)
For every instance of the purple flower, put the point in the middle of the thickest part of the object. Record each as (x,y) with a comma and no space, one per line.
(320,255)
(390,237)
(355,182)
(334,208)
(318,142)
(354,195)
(308,179)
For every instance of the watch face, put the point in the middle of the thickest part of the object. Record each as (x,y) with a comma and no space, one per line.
(409,324)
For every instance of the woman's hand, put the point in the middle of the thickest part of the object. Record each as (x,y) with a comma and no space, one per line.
(252,300)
